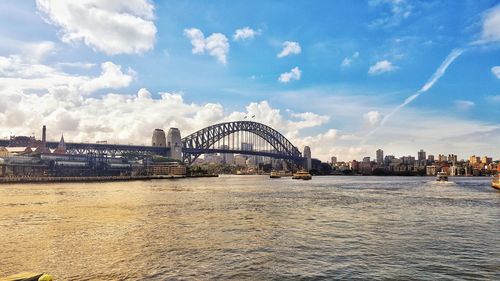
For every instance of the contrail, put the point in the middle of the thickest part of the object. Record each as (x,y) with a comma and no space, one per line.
(427,86)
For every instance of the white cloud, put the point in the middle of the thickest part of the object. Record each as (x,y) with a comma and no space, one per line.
(381,67)
(372,118)
(197,40)
(464,104)
(491,25)
(216,44)
(17,74)
(294,74)
(290,48)
(347,61)
(496,71)
(111,27)
(245,33)
(84,65)
(399,11)
(111,77)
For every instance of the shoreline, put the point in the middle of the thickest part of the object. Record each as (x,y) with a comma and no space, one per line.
(14,180)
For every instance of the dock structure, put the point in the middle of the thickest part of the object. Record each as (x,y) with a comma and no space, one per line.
(11,180)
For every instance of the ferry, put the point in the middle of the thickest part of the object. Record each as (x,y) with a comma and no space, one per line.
(442,176)
(302,175)
(495,182)
(275,175)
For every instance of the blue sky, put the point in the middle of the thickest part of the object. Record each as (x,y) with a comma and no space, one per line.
(333,101)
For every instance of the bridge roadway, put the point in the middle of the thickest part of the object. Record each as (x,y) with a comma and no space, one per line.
(117,149)
(110,149)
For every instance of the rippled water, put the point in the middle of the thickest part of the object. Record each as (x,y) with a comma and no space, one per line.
(252,227)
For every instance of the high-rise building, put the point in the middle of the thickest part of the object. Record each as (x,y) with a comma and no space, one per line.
(430,159)
(175,143)
(227,158)
(421,155)
(334,160)
(380,157)
(453,158)
(159,138)
(366,159)
(307,156)
(474,159)
(442,158)
(486,160)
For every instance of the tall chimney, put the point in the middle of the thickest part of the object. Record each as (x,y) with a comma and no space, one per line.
(44,136)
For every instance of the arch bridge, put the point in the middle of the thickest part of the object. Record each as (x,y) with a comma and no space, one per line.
(239,137)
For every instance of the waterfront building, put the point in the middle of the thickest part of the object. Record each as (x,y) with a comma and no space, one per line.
(408,160)
(421,155)
(167,168)
(388,159)
(212,158)
(159,139)
(366,159)
(431,170)
(380,157)
(453,158)
(4,152)
(334,160)
(240,160)
(430,159)
(227,158)
(61,147)
(175,143)
(486,160)
(474,159)
(442,158)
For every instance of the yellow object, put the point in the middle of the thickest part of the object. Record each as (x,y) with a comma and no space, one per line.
(27,276)
(45,277)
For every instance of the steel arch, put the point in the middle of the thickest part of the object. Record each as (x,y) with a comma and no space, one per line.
(200,142)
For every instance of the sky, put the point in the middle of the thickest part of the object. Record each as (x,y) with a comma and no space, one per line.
(344,77)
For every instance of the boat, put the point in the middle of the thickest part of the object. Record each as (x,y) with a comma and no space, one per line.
(302,175)
(495,182)
(275,175)
(442,176)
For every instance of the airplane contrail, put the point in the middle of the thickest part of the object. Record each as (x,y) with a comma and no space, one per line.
(454,54)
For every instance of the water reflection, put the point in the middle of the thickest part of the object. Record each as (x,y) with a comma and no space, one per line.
(253,228)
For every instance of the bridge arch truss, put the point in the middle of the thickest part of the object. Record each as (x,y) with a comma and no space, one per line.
(232,135)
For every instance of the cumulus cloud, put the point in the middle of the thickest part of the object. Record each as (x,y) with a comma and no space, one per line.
(17,74)
(245,33)
(290,48)
(294,74)
(111,77)
(381,67)
(464,104)
(111,27)
(491,25)
(216,44)
(496,71)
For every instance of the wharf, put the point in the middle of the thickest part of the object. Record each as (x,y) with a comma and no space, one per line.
(84,179)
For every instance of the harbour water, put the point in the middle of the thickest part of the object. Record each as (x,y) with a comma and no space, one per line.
(253,228)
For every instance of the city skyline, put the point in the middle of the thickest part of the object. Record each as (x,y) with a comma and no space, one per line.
(343,78)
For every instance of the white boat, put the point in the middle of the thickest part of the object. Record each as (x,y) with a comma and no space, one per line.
(442,176)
